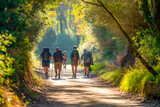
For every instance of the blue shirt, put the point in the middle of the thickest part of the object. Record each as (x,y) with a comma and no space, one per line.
(48,61)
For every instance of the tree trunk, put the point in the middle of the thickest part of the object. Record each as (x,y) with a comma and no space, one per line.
(128,59)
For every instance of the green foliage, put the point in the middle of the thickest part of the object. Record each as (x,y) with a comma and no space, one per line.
(20,25)
(135,79)
(113,76)
(148,45)
(98,66)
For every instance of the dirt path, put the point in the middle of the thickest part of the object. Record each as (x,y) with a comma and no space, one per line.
(82,92)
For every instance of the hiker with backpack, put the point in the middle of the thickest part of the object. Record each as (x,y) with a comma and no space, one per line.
(65,59)
(57,57)
(46,56)
(88,60)
(74,60)
(82,58)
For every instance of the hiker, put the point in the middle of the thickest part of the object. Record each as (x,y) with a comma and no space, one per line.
(82,58)
(88,60)
(57,57)
(74,60)
(65,59)
(46,56)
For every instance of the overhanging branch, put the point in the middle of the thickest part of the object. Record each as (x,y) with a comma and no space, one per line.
(92,3)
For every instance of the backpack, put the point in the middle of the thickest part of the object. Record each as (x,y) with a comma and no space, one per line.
(46,55)
(74,55)
(87,57)
(64,56)
(58,56)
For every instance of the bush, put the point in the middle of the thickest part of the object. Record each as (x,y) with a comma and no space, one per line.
(114,77)
(98,66)
(135,80)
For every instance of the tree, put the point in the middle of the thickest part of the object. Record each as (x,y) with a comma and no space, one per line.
(127,36)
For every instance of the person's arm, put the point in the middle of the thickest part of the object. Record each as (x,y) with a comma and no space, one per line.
(79,61)
(70,54)
(82,59)
(41,55)
(50,56)
(53,57)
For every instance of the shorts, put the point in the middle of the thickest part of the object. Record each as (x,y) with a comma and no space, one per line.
(64,59)
(45,64)
(74,63)
(58,65)
(87,64)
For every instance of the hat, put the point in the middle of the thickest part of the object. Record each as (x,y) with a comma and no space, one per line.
(57,48)
(74,46)
(64,51)
(84,49)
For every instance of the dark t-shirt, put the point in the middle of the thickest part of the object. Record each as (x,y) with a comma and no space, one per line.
(58,56)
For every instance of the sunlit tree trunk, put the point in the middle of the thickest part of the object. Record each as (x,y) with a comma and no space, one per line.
(150,69)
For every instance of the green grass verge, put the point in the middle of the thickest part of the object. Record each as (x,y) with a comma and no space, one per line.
(129,80)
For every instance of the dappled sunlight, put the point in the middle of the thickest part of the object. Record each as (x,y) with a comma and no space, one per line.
(84,92)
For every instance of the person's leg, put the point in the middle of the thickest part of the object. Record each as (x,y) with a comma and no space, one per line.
(65,65)
(87,71)
(46,71)
(55,67)
(73,71)
(59,67)
(76,65)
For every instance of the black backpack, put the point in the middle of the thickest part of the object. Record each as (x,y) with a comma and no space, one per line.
(45,55)
(87,57)
(58,56)
(74,55)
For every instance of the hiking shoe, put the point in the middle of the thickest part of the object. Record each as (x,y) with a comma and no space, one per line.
(56,76)
(87,75)
(59,76)
(46,75)
(73,76)
(84,74)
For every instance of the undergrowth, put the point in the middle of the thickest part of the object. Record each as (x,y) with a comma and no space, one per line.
(129,80)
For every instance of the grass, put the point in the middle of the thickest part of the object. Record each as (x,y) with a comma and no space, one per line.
(135,79)
(98,66)
(114,77)
(129,80)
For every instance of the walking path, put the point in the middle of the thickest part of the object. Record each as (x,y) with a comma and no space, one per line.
(83,92)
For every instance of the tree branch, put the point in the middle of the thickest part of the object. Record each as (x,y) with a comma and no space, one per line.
(150,69)
(92,3)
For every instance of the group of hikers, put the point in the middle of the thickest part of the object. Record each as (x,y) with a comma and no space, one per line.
(60,58)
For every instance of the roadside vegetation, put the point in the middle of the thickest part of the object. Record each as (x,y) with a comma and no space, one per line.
(123,36)
(130,63)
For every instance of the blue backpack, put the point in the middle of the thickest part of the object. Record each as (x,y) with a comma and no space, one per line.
(45,55)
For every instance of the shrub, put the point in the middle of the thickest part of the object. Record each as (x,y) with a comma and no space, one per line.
(135,80)
(98,66)
(114,77)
